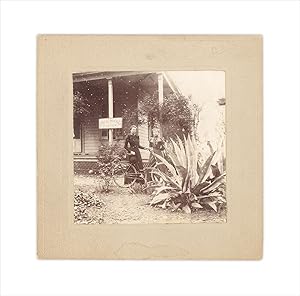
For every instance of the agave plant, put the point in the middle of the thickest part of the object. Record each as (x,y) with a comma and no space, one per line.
(187,184)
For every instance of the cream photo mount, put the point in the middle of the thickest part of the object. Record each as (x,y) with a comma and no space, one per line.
(240,56)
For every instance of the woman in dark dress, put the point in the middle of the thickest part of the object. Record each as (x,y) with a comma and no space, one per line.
(132,145)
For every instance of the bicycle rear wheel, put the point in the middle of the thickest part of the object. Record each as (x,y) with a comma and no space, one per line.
(124,174)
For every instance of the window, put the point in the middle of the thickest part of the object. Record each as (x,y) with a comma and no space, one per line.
(76,128)
(118,134)
(104,134)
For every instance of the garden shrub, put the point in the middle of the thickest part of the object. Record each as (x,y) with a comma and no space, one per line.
(107,154)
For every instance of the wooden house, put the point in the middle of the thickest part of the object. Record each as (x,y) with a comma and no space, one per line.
(108,95)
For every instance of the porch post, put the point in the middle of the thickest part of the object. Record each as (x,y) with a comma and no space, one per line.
(110,108)
(160,78)
(160,88)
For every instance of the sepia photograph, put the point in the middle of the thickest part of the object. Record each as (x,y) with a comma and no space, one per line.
(149,147)
(160,155)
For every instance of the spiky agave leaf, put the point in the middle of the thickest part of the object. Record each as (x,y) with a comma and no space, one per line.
(221,198)
(195,145)
(174,158)
(177,153)
(151,186)
(214,185)
(213,206)
(184,156)
(222,158)
(188,156)
(182,173)
(218,157)
(186,209)
(207,168)
(163,188)
(193,160)
(203,173)
(176,207)
(196,205)
(182,149)
(166,178)
(188,166)
(170,168)
(159,198)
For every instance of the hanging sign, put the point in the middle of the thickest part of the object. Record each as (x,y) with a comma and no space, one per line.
(110,123)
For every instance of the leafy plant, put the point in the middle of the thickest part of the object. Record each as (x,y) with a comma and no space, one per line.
(83,202)
(188,185)
(107,153)
(176,115)
(148,108)
(81,105)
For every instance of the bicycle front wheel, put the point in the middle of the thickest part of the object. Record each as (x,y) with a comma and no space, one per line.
(124,174)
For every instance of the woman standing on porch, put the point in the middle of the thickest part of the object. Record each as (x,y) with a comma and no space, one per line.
(132,145)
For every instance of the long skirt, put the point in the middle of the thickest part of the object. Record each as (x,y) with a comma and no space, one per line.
(137,162)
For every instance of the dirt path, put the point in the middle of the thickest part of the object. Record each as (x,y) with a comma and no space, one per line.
(123,207)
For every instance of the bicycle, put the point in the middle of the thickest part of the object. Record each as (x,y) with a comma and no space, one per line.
(125,174)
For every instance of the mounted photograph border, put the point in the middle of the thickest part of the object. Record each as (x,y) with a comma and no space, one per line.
(240,56)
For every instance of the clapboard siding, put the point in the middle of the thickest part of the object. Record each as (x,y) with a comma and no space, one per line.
(92,139)
(144,139)
(91,135)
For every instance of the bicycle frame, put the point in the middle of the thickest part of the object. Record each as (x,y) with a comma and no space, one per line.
(136,175)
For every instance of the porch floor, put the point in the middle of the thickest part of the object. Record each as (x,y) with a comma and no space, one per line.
(84,157)
(85,163)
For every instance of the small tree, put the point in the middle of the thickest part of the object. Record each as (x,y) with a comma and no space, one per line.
(107,153)
(81,105)
(130,117)
(149,109)
(177,116)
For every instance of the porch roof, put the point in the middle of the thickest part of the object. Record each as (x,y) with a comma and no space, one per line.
(87,76)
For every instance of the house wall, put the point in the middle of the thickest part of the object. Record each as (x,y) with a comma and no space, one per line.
(143,133)
(125,96)
(91,135)
(144,139)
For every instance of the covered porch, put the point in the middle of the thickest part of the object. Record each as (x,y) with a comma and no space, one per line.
(109,95)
